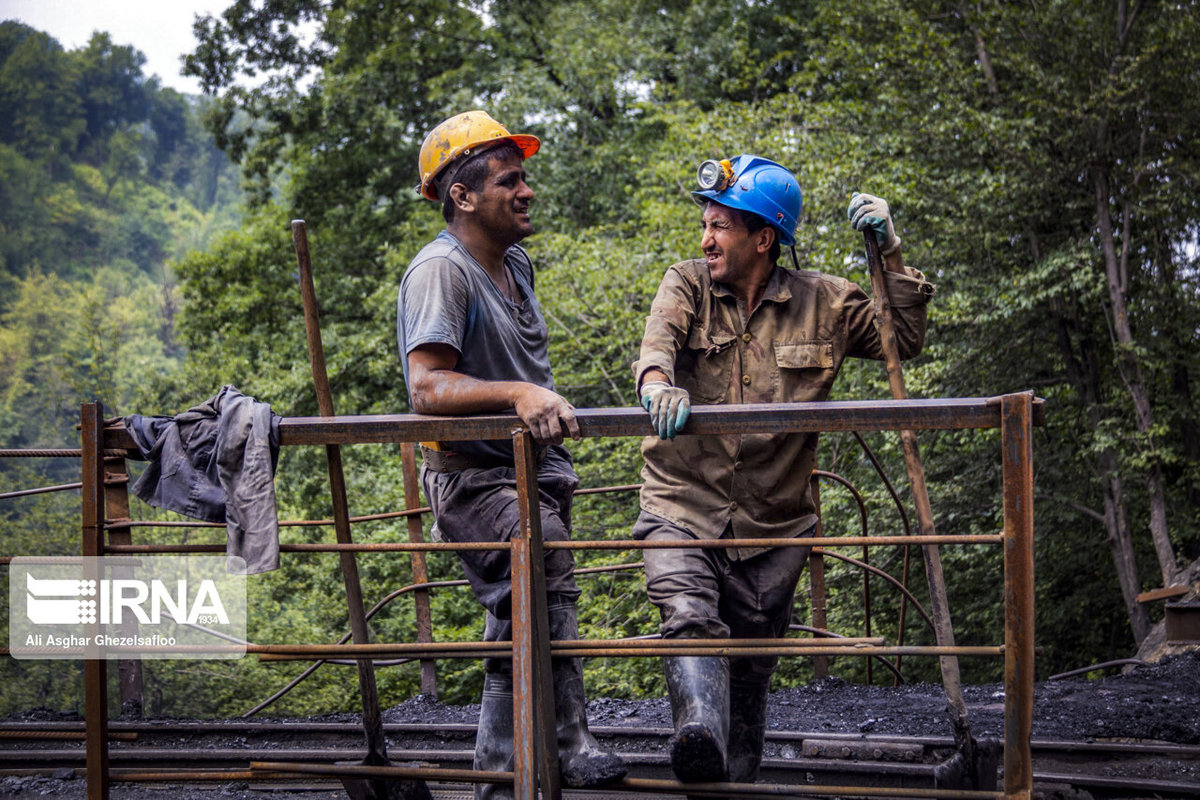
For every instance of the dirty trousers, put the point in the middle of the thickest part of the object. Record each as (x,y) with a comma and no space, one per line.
(480,505)
(704,594)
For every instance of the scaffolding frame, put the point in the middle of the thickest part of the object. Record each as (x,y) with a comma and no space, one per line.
(106,528)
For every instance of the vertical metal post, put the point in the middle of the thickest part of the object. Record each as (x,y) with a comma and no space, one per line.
(412,499)
(95,670)
(1016,412)
(535,745)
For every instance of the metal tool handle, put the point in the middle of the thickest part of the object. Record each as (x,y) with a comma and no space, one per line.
(372,717)
(940,605)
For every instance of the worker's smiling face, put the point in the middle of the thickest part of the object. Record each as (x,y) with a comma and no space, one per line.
(730,249)
(502,204)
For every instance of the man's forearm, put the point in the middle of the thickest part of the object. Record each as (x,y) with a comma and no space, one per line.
(445,391)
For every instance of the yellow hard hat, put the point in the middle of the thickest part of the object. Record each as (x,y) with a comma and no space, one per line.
(459,136)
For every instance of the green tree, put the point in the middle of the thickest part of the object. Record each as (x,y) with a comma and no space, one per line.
(113,92)
(39,109)
(1055,184)
(987,134)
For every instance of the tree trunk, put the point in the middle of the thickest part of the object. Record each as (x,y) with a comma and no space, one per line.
(1084,371)
(1116,521)
(1116,273)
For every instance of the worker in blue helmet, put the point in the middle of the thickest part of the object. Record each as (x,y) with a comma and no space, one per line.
(737,327)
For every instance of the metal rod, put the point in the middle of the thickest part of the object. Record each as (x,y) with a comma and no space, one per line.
(939,603)
(847,415)
(594,544)
(956,413)
(372,717)
(416,773)
(691,647)
(62,487)
(283,523)
(647,785)
(322,547)
(799,541)
(904,590)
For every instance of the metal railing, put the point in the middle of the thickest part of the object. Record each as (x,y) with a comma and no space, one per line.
(106,530)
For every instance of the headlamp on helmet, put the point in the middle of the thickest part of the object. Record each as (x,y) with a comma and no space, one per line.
(714,176)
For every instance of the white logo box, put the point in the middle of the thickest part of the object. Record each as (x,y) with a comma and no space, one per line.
(126,607)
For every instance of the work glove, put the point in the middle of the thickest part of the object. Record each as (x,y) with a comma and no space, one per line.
(668,405)
(868,211)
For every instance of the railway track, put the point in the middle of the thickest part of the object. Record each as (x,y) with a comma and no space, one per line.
(203,753)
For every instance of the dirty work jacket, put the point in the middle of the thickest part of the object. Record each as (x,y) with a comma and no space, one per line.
(789,350)
(216,462)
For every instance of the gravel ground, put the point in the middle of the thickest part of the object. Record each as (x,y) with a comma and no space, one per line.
(1158,702)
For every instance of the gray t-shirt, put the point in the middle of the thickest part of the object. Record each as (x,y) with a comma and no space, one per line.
(446,297)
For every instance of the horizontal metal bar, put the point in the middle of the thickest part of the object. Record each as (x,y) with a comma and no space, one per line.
(863,415)
(411,773)
(330,547)
(10,733)
(660,787)
(827,542)
(54,453)
(600,648)
(62,487)
(283,523)
(857,415)
(194,775)
(648,785)
(811,541)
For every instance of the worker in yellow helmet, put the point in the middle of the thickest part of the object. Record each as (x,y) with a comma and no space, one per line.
(473,340)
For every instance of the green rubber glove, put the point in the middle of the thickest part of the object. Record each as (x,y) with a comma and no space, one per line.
(668,405)
(868,211)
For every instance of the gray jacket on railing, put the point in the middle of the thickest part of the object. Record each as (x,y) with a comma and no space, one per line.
(216,462)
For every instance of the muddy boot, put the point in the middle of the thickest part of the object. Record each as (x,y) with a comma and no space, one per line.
(747,729)
(583,762)
(494,736)
(699,689)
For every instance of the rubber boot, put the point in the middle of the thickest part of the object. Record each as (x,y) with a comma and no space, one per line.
(699,689)
(494,736)
(747,728)
(583,762)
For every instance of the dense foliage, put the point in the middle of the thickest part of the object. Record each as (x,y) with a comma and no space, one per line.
(105,179)
(1047,184)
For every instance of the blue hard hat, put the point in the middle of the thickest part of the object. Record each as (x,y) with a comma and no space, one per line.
(763,188)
